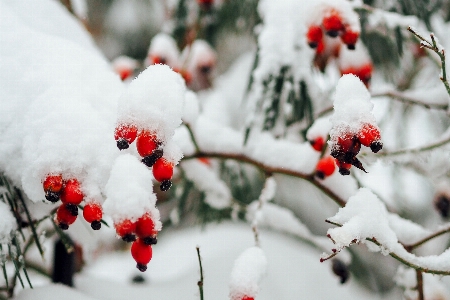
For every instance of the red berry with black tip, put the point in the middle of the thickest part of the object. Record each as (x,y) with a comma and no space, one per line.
(71,192)
(314,36)
(146,143)
(325,167)
(350,38)
(126,229)
(53,185)
(145,227)
(64,217)
(318,143)
(162,170)
(369,136)
(332,24)
(344,168)
(125,134)
(93,213)
(142,254)
(248,298)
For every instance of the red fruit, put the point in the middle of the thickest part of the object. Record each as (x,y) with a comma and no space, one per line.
(314,36)
(185,74)
(344,168)
(350,38)
(93,213)
(205,161)
(125,229)
(365,74)
(71,193)
(248,298)
(146,143)
(64,217)
(125,134)
(124,73)
(142,254)
(145,229)
(156,60)
(53,183)
(325,167)
(318,143)
(348,143)
(368,134)
(333,24)
(162,170)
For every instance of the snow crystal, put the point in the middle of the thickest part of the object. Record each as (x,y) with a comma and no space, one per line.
(129,191)
(247,272)
(7,223)
(164,47)
(217,193)
(154,101)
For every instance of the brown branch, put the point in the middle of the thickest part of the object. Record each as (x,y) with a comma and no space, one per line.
(419,243)
(419,286)
(409,100)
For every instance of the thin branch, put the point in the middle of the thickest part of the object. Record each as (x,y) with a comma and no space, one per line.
(193,139)
(200,282)
(416,150)
(409,100)
(419,243)
(419,277)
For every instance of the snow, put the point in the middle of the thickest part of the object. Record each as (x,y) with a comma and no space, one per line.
(53,292)
(7,224)
(320,128)
(163,47)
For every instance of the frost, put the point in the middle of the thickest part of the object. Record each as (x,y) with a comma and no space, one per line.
(248,269)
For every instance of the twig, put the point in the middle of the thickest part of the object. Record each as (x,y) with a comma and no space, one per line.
(416,150)
(409,100)
(417,244)
(194,140)
(200,282)
(419,277)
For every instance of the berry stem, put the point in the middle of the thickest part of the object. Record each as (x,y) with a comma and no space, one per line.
(200,282)
(194,140)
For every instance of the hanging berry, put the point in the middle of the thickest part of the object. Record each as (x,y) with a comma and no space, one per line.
(350,37)
(248,298)
(147,145)
(340,270)
(71,192)
(332,23)
(53,185)
(145,229)
(369,136)
(142,254)
(64,217)
(344,168)
(325,167)
(314,36)
(93,213)
(318,143)
(125,229)
(125,134)
(163,171)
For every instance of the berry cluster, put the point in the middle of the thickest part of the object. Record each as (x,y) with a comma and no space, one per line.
(363,72)
(143,234)
(70,194)
(150,148)
(347,145)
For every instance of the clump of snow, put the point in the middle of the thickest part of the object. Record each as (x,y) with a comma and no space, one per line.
(7,223)
(320,128)
(129,191)
(217,193)
(165,49)
(353,59)
(191,108)
(324,8)
(247,272)
(124,66)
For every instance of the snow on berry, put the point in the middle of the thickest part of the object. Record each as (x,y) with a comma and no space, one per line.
(129,192)
(356,62)
(142,254)
(317,134)
(93,213)
(53,185)
(163,50)
(247,272)
(8,223)
(125,134)
(124,66)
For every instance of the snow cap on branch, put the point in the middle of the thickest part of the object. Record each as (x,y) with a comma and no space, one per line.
(247,272)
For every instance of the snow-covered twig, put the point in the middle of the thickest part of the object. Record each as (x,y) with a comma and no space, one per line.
(436,234)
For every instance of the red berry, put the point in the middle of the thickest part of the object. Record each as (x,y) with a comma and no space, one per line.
(146,143)
(185,74)
(314,36)
(318,143)
(71,193)
(125,134)
(93,213)
(125,229)
(142,254)
(344,168)
(64,217)
(349,38)
(53,183)
(333,24)
(248,298)
(162,170)
(348,143)
(325,167)
(365,74)
(368,134)
(145,227)
(156,60)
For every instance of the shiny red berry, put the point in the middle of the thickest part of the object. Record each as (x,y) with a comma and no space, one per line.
(145,229)
(71,192)
(53,185)
(162,170)
(93,213)
(314,36)
(142,254)
(248,298)
(368,134)
(332,24)
(64,217)
(350,38)
(125,229)
(344,168)
(318,143)
(125,134)
(325,167)
(146,143)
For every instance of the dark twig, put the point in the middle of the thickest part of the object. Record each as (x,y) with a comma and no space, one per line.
(200,282)
(419,287)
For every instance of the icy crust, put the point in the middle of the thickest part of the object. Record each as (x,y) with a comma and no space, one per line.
(248,269)
(164,46)
(8,223)
(352,107)
(217,193)
(129,192)
(366,217)
(154,101)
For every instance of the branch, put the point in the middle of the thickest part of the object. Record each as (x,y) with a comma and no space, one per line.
(409,100)
(200,282)
(416,150)
(419,243)
(419,285)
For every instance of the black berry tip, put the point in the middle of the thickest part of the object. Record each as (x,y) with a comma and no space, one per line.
(442,205)
(151,159)
(122,144)
(320,174)
(344,171)
(333,33)
(52,196)
(376,146)
(150,240)
(63,226)
(313,45)
(129,238)
(165,185)
(141,267)
(73,209)
(96,225)
(341,270)
(351,47)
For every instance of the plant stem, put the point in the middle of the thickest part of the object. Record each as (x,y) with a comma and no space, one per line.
(200,282)
(417,244)
(419,277)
